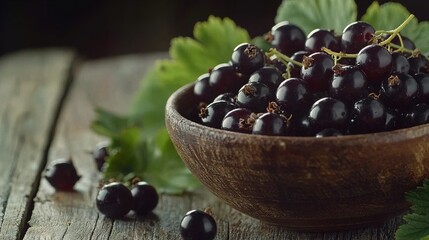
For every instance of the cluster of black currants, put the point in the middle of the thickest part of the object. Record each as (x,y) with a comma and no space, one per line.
(115,200)
(363,81)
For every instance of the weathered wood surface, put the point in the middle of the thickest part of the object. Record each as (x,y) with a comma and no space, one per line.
(31,86)
(31,209)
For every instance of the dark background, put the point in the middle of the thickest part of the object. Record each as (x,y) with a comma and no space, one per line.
(105,28)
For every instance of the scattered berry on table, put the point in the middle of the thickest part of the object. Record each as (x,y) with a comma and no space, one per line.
(145,197)
(114,200)
(100,154)
(198,225)
(62,174)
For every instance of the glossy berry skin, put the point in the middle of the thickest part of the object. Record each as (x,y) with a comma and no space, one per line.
(229,97)
(317,72)
(348,84)
(418,65)
(247,58)
(356,36)
(254,96)
(319,38)
(419,114)
(287,38)
(328,112)
(238,120)
(400,63)
(198,225)
(100,154)
(368,116)
(423,87)
(268,75)
(145,198)
(202,89)
(328,132)
(114,200)
(376,62)
(399,91)
(213,114)
(393,120)
(224,78)
(292,95)
(271,124)
(295,70)
(408,43)
(61,174)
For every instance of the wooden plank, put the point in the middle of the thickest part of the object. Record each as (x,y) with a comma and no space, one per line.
(31,86)
(107,83)
(111,84)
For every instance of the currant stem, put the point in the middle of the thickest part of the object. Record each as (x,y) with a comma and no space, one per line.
(401,48)
(338,54)
(282,57)
(397,30)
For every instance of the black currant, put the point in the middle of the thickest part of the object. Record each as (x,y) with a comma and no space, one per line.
(319,38)
(376,62)
(229,97)
(393,120)
(287,38)
(418,64)
(255,96)
(400,63)
(271,124)
(317,71)
(399,91)
(238,120)
(328,112)
(213,114)
(419,114)
(100,154)
(348,84)
(295,70)
(62,174)
(145,198)
(355,36)
(202,89)
(247,58)
(114,200)
(224,78)
(423,87)
(292,95)
(368,116)
(198,225)
(268,75)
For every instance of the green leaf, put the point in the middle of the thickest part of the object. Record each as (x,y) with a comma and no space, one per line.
(213,44)
(312,14)
(416,227)
(166,170)
(419,198)
(128,153)
(390,15)
(109,124)
(140,145)
(416,223)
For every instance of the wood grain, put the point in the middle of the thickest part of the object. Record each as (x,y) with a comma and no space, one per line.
(31,86)
(109,83)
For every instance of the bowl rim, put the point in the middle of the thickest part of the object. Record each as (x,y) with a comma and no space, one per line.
(393,136)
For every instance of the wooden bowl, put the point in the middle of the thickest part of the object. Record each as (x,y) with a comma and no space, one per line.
(302,183)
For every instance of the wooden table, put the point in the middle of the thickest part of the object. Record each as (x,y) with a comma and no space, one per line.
(47,103)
